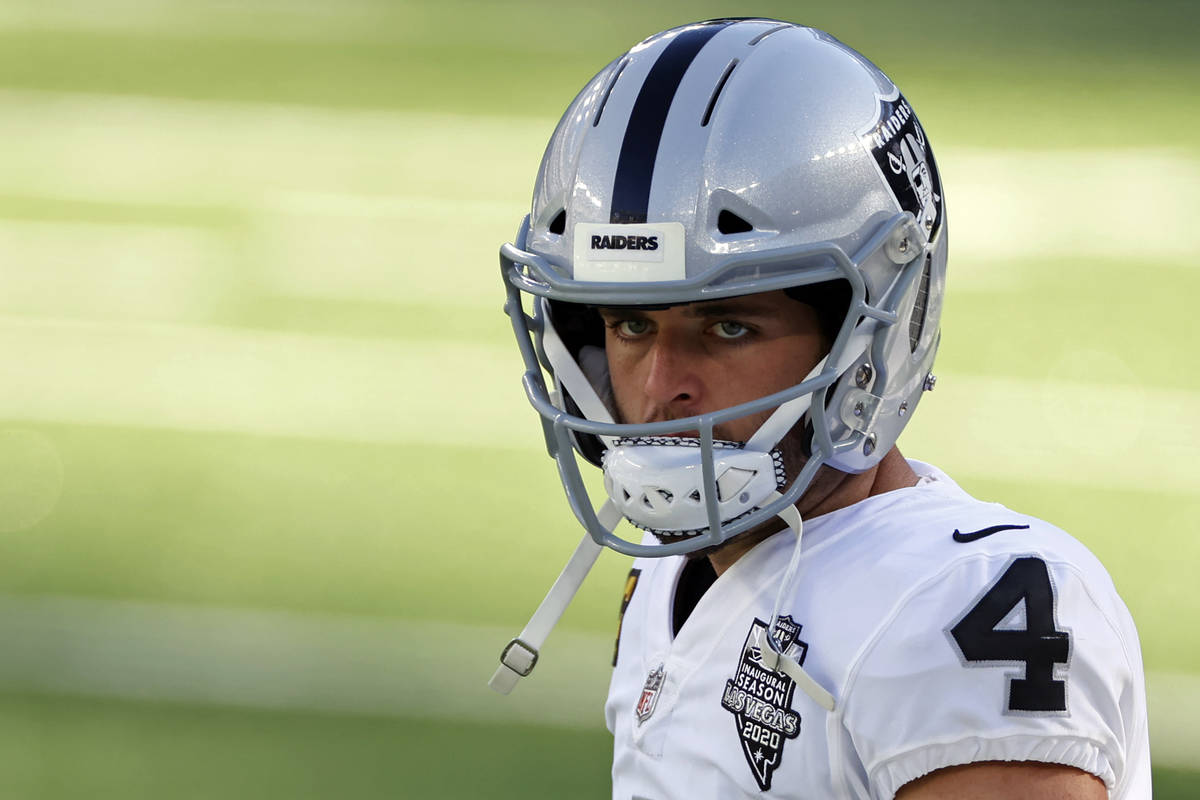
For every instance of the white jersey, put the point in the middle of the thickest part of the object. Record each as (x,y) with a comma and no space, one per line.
(948,630)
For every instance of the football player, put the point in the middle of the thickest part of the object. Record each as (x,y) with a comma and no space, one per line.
(727,298)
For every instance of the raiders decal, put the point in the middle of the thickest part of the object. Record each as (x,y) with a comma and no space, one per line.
(630,585)
(652,251)
(897,141)
(619,242)
(760,700)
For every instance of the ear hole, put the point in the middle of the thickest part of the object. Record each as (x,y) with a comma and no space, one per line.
(916,324)
(559,223)
(729,222)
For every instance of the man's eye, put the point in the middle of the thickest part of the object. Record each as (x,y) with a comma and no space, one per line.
(730,330)
(632,327)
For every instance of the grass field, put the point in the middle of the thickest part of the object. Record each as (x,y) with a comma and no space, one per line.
(271,499)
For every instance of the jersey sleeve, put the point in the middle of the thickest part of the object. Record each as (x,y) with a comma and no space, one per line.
(999,657)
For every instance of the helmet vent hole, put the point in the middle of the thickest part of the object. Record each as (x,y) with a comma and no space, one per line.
(694,496)
(559,223)
(916,323)
(729,222)
(608,91)
(712,101)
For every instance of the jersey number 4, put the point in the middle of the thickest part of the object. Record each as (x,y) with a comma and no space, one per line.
(1039,646)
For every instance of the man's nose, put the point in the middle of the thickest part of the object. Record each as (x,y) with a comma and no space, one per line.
(673,380)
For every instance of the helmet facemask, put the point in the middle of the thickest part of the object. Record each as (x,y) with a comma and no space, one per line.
(695,492)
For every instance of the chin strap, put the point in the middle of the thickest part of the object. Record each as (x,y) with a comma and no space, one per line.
(770,656)
(520,656)
(571,374)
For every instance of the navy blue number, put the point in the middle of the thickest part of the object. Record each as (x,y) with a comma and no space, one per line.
(1039,646)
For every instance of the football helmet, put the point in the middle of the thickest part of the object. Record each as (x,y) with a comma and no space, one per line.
(719,159)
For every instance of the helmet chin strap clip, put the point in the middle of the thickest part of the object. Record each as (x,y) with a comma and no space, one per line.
(769,653)
(520,655)
(772,659)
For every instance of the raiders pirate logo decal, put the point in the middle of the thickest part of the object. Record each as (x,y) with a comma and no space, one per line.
(760,700)
(650,690)
(898,143)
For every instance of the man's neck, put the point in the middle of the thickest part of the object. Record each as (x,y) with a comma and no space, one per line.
(830,491)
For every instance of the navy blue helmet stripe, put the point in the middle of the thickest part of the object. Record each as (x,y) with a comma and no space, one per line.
(639,149)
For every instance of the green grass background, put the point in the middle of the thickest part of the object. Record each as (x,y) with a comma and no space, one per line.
(344,172)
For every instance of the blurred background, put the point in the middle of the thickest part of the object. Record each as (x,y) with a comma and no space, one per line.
(271,499)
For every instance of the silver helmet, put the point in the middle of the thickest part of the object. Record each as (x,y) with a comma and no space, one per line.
(719,159)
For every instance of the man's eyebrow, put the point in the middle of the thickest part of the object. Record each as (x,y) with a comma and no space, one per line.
(704,310)
(742,308)
(623,311)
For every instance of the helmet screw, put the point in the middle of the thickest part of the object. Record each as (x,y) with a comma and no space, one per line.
(930,382)
(863,376)
(903,409)
(903,245)
(869,445)
(858,409)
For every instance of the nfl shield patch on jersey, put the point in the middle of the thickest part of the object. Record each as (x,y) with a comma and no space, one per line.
(650,690)
(760,700)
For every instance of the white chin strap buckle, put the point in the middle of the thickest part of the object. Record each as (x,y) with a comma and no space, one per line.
(658,483)
(520,655)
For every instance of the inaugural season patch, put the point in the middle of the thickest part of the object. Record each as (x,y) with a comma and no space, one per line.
(760,700)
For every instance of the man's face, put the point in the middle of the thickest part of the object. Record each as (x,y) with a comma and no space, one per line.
(703,357)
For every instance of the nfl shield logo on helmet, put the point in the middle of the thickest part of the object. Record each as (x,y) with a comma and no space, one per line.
(650,692)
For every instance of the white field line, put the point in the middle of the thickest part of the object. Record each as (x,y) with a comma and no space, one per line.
(308,662)
(434,392)
(402,206)
(1006,205)
(214,379)
(97,270)
(298,20)
(279,660)
(241,152)
(1119,436)
(339,193)
(316,21)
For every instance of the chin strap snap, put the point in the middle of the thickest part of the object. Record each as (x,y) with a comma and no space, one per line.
(520,655)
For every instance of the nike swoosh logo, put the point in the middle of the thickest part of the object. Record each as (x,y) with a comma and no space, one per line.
(979,534)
